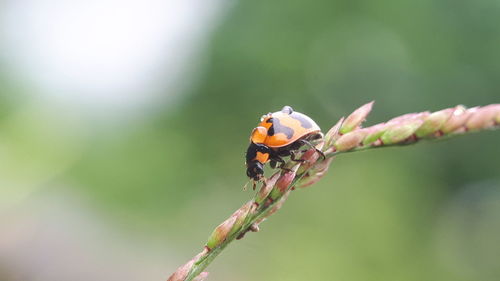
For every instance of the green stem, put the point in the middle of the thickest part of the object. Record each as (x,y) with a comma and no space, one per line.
(264,210)
(204,261)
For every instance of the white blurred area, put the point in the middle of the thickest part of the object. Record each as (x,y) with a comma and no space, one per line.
(71,67)
(80,68)
(113,57)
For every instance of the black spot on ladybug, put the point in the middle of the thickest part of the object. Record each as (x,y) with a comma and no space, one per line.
(270,131)
(277,127)
(303,122)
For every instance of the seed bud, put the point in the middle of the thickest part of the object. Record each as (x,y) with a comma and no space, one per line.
(354,120)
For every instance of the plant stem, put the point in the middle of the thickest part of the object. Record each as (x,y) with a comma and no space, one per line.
(346,136)
(260,214)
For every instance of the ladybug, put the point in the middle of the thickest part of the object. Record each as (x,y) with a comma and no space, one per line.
(279,134)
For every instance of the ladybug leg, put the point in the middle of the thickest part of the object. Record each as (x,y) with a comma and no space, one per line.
(285,169)
(281,162)
(313,147)
(275,157)
(293,157)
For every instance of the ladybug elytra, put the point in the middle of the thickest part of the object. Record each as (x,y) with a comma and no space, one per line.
(279,134)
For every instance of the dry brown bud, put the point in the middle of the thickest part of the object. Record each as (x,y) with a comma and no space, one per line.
(354,120)
(181,273)
(310,155)
(350,140)
(310,158)
(497,118)
(401,131)
(285,180)
(333,134)
(434,122)
(484,117)
(240,215)
(221,232)
(319,171)
(266,188)
(373,133)
(457,119)
(409,116)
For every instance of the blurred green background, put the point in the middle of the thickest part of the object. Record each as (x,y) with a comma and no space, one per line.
(123,127)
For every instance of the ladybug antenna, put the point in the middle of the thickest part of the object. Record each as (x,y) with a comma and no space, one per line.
(287,109)
(248,182)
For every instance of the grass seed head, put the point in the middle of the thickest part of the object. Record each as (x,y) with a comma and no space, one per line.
(483,117)
(221,232)
(266,188)
(350,140)
(459,116)
(434,122)
(181,273)
(285,180)
(401,131)
(333,134)
(240,214)
(354,120)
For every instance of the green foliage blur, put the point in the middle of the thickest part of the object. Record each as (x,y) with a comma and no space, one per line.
(160,185)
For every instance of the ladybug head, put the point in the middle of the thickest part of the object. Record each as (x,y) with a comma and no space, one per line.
(255,170)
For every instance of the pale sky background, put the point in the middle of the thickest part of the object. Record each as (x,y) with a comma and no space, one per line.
(106,55)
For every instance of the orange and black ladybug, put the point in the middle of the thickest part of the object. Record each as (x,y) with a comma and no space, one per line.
(279,134)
